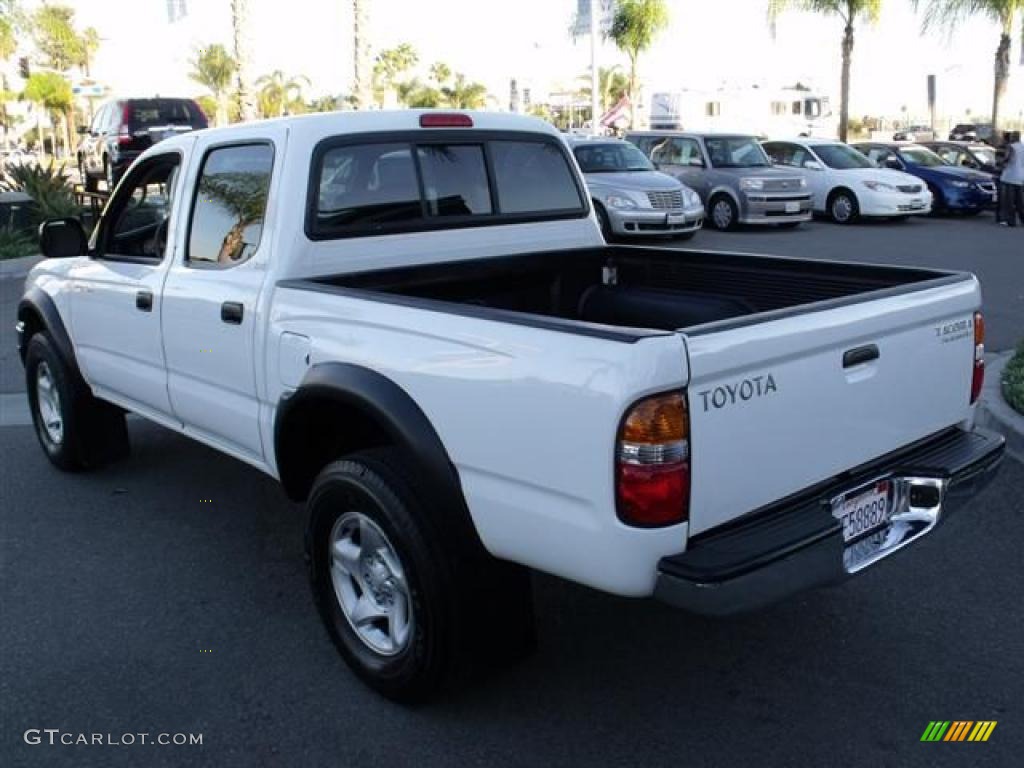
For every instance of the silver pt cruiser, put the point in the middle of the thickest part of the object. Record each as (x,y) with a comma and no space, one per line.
(630,196)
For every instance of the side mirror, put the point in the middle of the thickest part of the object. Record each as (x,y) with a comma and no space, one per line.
(62,238)
(812,165)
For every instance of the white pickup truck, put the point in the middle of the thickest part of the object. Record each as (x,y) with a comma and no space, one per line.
(411,320)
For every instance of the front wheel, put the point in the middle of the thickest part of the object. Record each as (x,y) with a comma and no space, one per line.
(724,213)
(393,586)
(843,207)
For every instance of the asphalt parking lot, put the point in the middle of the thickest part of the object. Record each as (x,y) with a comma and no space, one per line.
(128,605)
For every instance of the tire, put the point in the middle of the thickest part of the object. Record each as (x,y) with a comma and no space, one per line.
(723,213)
(843,207)
(406,616)
(88,181)
(938,202)
(75,430)
(604,221)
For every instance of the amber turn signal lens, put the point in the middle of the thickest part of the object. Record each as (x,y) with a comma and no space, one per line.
(659,419)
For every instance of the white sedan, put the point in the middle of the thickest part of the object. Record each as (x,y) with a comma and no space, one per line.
(847,185)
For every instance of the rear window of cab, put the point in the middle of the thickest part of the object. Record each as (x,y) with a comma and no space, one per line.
(407,183)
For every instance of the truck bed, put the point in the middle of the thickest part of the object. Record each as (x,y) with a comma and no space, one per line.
(626,293)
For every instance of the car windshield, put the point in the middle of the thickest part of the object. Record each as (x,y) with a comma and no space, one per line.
(611,158)
(841,157)
(921,156)
(736,152)
(985,155)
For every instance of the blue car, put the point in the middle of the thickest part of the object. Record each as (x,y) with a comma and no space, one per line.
(955,189)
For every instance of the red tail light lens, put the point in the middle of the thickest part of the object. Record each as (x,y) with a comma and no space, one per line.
(124,134)
(445,120)
(978,375)
(653,463)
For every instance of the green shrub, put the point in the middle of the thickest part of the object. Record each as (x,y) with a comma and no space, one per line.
(49,186)
(14,245)
(1013,380)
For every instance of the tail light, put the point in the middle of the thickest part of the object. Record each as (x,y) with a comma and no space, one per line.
(978,376)
(124,134)
(653,463)
(445,120)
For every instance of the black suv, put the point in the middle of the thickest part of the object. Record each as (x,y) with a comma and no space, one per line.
(972,132)
(121,130)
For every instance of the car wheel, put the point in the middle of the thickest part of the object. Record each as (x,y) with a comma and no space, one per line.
(605,222)
(938,201)
(843,207)
(724,213)
(88,183)
(75,430)
(391,583)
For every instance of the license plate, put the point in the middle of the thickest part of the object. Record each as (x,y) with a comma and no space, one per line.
(862,511)
(677,218)
(792,207)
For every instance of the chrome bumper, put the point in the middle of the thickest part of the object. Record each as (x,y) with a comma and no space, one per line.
(786,549)
(772,209)
(639,222)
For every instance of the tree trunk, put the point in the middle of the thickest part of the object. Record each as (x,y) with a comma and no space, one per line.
(361,53)
(231,247)
(221,118)
(632,90)
(844,83)
(1002,72)
(240,26)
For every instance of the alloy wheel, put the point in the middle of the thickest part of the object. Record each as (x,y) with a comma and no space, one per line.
(722,214)
(48,403)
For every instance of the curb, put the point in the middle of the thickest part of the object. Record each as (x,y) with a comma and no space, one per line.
(995,413)
(15,268)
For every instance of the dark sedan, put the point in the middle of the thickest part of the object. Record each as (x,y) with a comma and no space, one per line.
(966,154)
(954,188)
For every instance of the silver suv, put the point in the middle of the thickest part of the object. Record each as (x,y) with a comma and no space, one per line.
(733,176)
(630,196)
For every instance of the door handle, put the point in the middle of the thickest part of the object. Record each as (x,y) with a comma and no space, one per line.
(231,312)
(860,355)
(144,301)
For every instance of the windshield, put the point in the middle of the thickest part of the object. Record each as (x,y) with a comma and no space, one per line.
(611,158)
(736,152)
(921,156)
(841,157)
(985,155)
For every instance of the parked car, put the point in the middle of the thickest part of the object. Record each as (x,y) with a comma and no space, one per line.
(733,176)
(972,132)
(967,154)
(846,185)
(121,130)
(632,198)
(916,133)
(411,320)
(954,189)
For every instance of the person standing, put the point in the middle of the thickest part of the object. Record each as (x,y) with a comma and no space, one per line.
(1012,178)
(1002,151)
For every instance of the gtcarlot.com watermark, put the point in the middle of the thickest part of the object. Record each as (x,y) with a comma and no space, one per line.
(55,736)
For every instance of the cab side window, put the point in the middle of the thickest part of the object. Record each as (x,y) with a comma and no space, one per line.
(135,225)
(230,202)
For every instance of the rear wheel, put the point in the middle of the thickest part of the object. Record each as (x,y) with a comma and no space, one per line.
(405,606)
(724,214)
(843,207)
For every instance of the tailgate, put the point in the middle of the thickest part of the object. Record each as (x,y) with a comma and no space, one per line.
(775,409)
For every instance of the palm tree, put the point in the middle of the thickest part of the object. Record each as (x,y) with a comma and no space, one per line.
(90,40)
(8,45)
(51,93)
(635,25)
(362,72)
(388,66)
(612,85)
(440,72)
(850,11)
(214,68)
(465,95)
(949,13)
(243,85)
(280,93)
(244,196)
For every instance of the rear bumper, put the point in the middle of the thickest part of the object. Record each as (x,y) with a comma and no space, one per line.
(797,545)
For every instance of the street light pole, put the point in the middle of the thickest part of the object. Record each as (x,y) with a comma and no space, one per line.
(594,4)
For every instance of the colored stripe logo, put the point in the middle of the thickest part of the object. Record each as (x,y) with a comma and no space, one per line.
(958,730)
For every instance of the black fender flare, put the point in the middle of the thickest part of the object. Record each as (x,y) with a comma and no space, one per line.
(36,307)
(396,414)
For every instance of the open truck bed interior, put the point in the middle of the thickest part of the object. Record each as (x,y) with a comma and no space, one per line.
(646,290)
